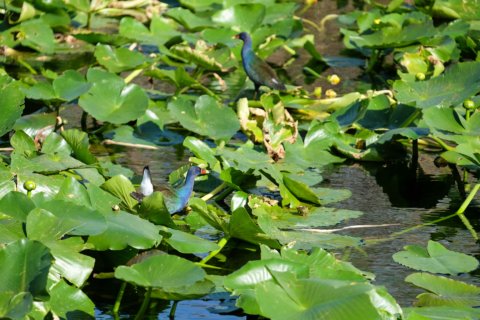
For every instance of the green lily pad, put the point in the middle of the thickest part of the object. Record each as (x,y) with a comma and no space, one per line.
(80,220)
(110,99)
(16,205)
(125,229)
(441,313)
(207,117)
(186,242)
(70,85)
(244,17)
(458,83)
(12,102)
(444,291)
(15,306)
(161,271)
(435,258)
(290,298)
(25,265)
(67,301)
(118,59)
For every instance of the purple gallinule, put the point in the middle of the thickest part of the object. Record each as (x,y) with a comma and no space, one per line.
(175,199)
(256,69)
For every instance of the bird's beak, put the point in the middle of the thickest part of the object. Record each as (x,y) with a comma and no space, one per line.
(237,36)
(203,171)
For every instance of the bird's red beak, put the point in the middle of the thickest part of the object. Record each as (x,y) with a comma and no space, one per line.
(203,171)
(237,36)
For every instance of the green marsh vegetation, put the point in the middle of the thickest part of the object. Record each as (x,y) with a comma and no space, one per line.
(147,74)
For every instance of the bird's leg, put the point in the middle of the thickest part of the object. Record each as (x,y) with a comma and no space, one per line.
(257,91)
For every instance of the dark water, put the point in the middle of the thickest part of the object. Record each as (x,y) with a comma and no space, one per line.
(387,194)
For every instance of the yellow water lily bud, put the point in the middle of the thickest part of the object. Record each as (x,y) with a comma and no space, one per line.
(469,104)
(317,92)
(330,93)
(310,2)
(333,79)
(377,21)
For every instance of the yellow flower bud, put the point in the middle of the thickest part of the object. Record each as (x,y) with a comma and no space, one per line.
(333,79)
(318,92)
(330,93)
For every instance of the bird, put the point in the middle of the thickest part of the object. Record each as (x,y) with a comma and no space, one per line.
(256,69)
(175,199)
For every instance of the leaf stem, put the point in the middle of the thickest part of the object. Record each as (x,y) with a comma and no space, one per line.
(145,304)
(135,73)
(215,191)
(221,243)
(121,291)
(441,143)
(171,315)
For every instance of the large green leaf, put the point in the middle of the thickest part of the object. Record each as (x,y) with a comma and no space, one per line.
(207,117)
(77,219)
(186,242)
(24,266)
(161,271)
(289,298)
(16,205)
(11,100)
(444,291)
(78,141)
(458,83)
(435,258)
(37,35)
(69,302)
(15,305)
(125,229)
(246,17)
(122,188)
(110,99)
(118,59)
(70,85)
(457,9)
(441,313)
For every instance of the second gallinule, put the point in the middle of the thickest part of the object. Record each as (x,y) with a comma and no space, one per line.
(175,199)
(256,69)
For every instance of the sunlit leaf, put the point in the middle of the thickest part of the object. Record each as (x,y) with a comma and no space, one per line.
(435,258)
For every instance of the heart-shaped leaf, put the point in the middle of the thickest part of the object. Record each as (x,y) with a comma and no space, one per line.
(207,117)
(110,99)
(435,258)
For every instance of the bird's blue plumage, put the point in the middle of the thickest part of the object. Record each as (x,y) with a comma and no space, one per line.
(256,69)
(175,199)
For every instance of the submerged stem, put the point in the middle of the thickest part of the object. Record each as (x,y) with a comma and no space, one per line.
(145,304)
(171,315)
(221,243)
(121,291)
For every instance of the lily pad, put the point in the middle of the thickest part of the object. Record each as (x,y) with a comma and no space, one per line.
(125,229)
(458,83)
(207,117)
(444,291)
(110,99)
(435,258)
(161,271)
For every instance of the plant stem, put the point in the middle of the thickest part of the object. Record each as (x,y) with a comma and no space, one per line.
(121,291)
(458,213)
(212,193)
(464,206)
(221,243)
(132,75)
(441,143)
(410,119)
(145,304)
(171,315)
(83,121)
